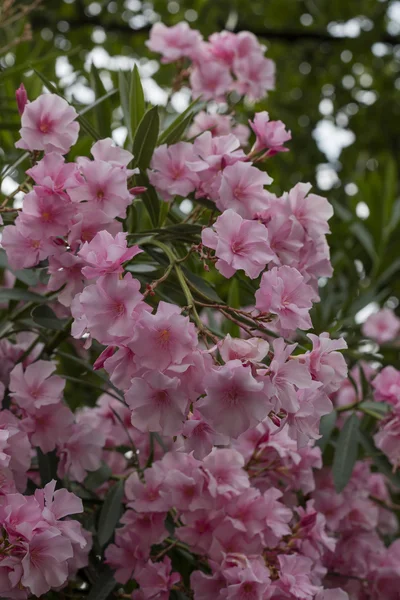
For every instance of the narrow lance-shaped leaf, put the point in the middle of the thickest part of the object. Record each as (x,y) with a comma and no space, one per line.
(346,452)
(124,97)
(110,513)
(136,100)
(145,139)
(326,427)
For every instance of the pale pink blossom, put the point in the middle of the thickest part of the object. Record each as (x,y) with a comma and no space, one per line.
(105,188)
(46,215)
(324,362)
(198,529)
(270,135)
(164,338)
(110,307)
(242,189)
(87,222)
(157,403)
(24,247)
(388,438)
(224,467)
(173,43)
(284,376)
(255,75)
(48,123)
(382,327)
(200,437)
(295,576)
(284,293)
(45,562)
(156,579)
(48,426)
(147,497)
(16,450)
(252,349)
(35,386)
(234,401)
(250,582)
(80,452)
(170,173)
(387,386)
(210,80)
(54,175)
(215,123)
(239,244)
(65,269)
(303,425)
(313,212)
(107,151)
(105,254)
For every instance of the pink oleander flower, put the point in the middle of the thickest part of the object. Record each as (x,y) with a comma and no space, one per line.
(198,529)
(45,562)
(388,438)
(295,576)
(35,386)
(303,425)
(80,452)
(210,80)
(105,254)
(252,349)
(170,173)
(270,135)
(215,123)
(156,579)
(46,215)
(105,188)
(24,248)
(107,151)
(48,123)
(200,437)
(250,582)
(147,497)
(157,403)
(242,189)
(238,244)
(324,362)
(54,175)
(86,223)
(15,456)
(65,269)
(173,43)
(224,468)
(382,327)
(255,75)
(387,386)
(48,426)
(164,338)
(312,212)
(22,98)
(284,293)
(111,307)
(333,594)
(283,375)
(234,401)
(223,46)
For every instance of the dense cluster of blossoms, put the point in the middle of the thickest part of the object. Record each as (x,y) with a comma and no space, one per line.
(235,477)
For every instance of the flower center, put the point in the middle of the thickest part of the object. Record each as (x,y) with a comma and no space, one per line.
(46,216)
(164,336)
(119,309)
(35,244)
(100,195)
(45,125)
(162,398)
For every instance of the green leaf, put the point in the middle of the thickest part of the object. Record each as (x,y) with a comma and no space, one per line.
(97,478)
(150,198)
(346,452)
(19,294)
(28,276)
(377,409)
(101,110)
(48,464)
(176,134)
(326,427)
(110,513)
(124,97)
(136,100)
(145,139)
(170,132)
(365,238)
(201,287)
(103,586)
(45,317)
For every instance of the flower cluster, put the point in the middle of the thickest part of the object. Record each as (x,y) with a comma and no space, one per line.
(213,435)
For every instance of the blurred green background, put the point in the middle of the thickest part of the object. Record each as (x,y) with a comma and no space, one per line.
(338,91)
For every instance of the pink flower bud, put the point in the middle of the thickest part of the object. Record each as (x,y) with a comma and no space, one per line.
(139,189)
(22,98)
(107,353)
